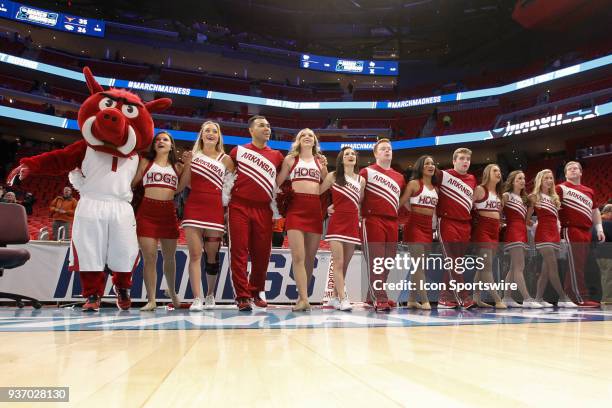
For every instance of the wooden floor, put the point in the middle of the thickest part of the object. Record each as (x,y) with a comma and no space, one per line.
(512,365)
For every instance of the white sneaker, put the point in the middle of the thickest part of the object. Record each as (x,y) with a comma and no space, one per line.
(531,304)
(545,304)
(209,302)
(511,303)
(567,304)
(345,305)
(196,306)
(333,302)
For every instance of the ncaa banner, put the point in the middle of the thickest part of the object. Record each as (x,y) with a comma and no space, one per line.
(46,277)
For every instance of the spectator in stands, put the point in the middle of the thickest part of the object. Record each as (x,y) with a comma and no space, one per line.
(28,202)
(9,197)
(62,210)
(35,88)
(447,121)
(49,109)
(2,191)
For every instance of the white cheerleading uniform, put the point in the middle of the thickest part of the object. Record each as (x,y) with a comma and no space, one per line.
(104,211)
(305,171)
(425,198)
(158,176)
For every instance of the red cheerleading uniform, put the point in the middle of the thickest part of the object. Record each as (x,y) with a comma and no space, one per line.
(304,211)
(454,221)
(515,213)
(576,216)
(379,210)
(547,230)
(344,222)
(204,207)
(157,218)
(419,227)
(486,229)
(250,216)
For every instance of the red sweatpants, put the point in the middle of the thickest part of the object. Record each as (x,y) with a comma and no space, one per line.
(379,237)
(578,240)
(454,236)
(250,234)
(93,283)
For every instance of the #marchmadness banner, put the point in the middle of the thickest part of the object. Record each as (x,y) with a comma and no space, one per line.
(46,277)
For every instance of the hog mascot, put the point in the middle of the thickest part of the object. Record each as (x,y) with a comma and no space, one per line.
(115,125)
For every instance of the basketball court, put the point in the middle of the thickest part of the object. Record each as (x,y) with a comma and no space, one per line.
(323,358)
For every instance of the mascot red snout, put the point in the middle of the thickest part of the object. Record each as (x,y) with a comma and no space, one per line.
(116,121)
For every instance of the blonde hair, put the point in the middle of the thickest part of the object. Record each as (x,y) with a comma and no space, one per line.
(569,163)
(379,141)
(297,143)
(461,150)
(537,188)
(198,146)
(486,176)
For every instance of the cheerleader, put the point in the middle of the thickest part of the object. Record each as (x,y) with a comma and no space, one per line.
(206,168)
(515,205)
(156,220)
(306,168)
(421,198)
(545,202)
(343,229)
(485,234)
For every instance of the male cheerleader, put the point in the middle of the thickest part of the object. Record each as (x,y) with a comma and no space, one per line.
(577,214)
(250,215)
(454,221)
(379,211)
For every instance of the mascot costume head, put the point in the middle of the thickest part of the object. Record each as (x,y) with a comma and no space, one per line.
(117,121)
(116,124)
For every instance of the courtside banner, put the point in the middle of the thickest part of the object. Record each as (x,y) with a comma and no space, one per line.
(46,277)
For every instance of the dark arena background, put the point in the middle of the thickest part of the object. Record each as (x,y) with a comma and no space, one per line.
(520,86)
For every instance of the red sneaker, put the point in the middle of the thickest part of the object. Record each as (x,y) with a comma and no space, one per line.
(259,302)
(589,303)
(92,304)
(244,304)
(468,304)
(447,304)
(123,298)
(382,306)
(392,303)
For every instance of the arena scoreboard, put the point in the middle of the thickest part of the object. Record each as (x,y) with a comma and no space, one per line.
(51,19)
(348,66)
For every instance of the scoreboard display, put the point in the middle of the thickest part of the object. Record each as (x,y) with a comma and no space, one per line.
(346,66)
(51,19)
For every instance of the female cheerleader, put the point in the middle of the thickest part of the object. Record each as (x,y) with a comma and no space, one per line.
(343,230)
(156,220)
(545,202)
(515,205)
(204,218)
(421,198)
(305,167)
(487,206)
